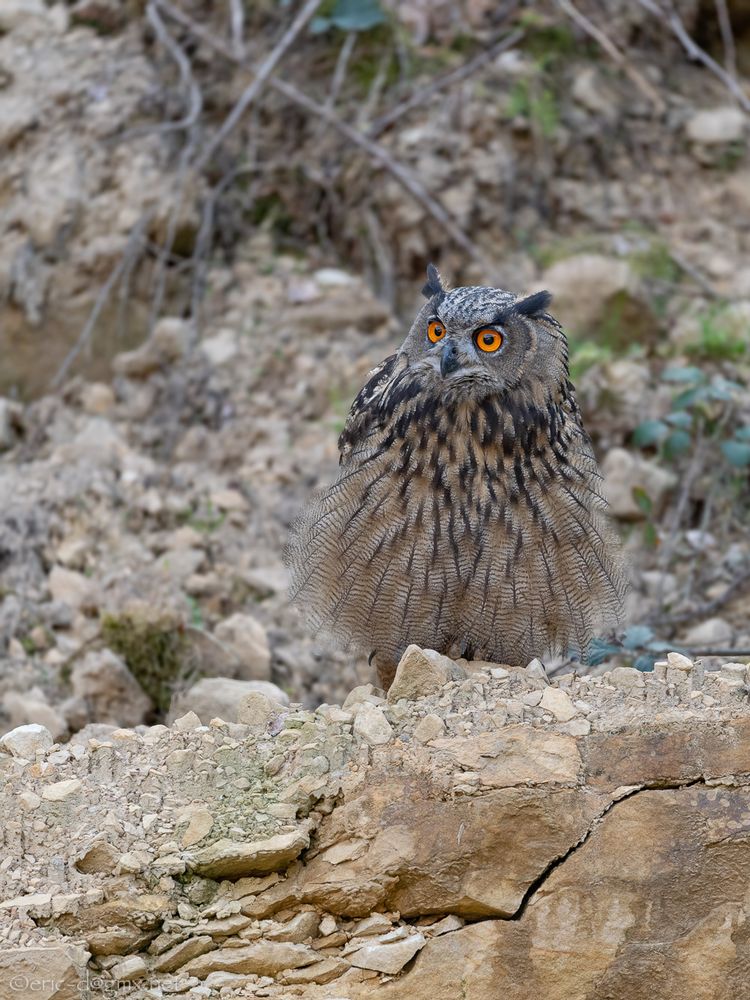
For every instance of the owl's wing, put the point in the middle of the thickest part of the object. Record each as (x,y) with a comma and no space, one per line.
(365,409)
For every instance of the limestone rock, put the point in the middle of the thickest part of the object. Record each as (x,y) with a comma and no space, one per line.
(387,956)
(230,859)
(321,972)
(119,926)
(264,958)
(422,672)
(133,967)
(627,679)
(182,953)
(599,950)
(27,741)
(54,972)
(168,343)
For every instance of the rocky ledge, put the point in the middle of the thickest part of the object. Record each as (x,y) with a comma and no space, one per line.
(479,832)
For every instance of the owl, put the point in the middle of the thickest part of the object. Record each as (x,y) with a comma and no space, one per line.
(467,515)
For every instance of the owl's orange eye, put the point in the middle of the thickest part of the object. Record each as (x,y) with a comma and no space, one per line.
(435,331)
(488,340)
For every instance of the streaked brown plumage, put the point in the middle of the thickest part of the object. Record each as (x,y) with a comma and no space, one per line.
(467,515)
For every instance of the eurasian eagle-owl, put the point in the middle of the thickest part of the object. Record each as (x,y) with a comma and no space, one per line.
(467,515)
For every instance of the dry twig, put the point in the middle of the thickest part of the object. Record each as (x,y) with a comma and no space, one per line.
(237,27)
(405,177)
(727,38)
(420,97)
(402,174)
(673,21)
(693,272)
(614,54)
(736,587)
(132,246)
(261,78)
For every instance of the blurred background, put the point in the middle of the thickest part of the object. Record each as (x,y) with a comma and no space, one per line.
(215,219)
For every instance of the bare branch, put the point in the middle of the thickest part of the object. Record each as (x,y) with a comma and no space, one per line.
(695,274)
(237,27)
(673,21)
(727,38)
(614,53)
(420,97)
(342,64)
(734,589)
(402,174)
(195,99)
(261,78)
(405,177)
(197,30)
(120,268)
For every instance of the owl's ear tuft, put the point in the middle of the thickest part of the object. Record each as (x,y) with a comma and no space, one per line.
(533,304)
(434,285)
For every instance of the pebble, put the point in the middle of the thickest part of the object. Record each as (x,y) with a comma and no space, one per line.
(677,661)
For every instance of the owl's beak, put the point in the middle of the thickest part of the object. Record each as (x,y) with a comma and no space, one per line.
(449,359)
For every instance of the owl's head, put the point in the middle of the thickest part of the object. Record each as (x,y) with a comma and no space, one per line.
(475,341)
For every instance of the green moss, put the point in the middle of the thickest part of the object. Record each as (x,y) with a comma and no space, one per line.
(154,651)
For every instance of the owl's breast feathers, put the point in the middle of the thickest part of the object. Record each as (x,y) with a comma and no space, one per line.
(460,521)
(516,444)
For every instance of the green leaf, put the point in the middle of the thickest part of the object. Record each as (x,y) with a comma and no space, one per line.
(644,663)
(643,500)
(600,650)
(649,432)
(681,418)
(720,392)
(683,375)
(677,444)
(351,15)
(637,636)
(737,453)
(650,535)
(690,396)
